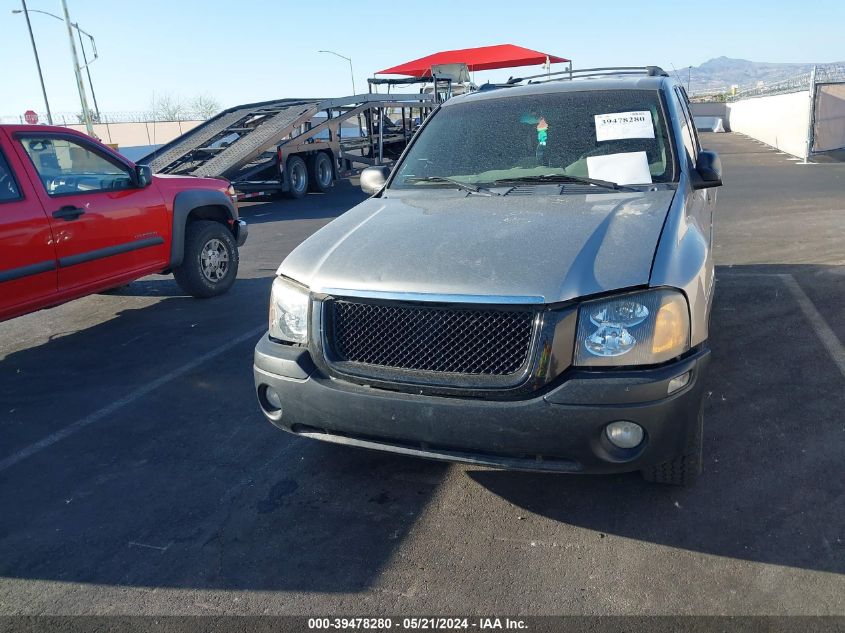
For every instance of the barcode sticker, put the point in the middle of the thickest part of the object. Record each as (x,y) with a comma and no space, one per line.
(616,125)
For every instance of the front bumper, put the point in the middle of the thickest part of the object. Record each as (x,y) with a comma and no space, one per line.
(241,232)
(560,430)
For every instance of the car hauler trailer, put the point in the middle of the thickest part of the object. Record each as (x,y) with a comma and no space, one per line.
(293,145)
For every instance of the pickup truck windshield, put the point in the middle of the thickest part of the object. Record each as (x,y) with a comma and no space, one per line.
(619,136)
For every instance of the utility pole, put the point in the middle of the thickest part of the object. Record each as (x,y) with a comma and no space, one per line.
(86,114)
(88,68)
(79,32)
(811,114)
(37,63)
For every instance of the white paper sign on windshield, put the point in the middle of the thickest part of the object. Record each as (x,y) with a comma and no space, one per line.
(616,125)
(628,168)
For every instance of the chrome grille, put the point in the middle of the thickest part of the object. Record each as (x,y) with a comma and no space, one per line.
(474,341)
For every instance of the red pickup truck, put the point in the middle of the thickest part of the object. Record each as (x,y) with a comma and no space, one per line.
(78,218)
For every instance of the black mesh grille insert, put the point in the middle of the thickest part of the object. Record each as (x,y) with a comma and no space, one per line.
(465,341)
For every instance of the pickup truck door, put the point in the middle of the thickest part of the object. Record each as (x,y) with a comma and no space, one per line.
(105,227)
(28,260)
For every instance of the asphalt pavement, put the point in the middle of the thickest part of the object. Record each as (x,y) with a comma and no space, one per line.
(137,475)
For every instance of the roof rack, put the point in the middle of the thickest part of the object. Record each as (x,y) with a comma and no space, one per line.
(381,81)
(583,73)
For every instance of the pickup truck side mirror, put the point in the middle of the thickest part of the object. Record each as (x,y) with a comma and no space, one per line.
(709,169)
(143,176)
(373,179)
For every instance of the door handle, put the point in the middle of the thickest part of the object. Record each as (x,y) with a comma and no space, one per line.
(68,213)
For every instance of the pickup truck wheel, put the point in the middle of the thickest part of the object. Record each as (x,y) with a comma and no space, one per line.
(684,469)
(210,265)
(320,174)
(297,177)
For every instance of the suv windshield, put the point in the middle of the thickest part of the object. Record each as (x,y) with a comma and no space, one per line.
(619,136)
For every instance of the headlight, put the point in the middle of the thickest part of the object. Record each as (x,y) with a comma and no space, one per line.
(641,328)
(288,311)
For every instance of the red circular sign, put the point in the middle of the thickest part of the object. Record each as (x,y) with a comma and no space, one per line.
(31,117)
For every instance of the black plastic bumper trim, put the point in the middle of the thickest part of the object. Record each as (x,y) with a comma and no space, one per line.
(530,434)
(443,454)
(243,232)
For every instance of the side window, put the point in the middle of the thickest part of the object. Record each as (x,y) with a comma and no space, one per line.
(686,105)
(67,167)
(686,128)
(8,187)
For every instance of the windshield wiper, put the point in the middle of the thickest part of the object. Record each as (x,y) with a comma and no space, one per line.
(542,178)
(463,186)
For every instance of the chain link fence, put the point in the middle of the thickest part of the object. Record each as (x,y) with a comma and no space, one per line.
(830,73)
(827,73)
(75,118)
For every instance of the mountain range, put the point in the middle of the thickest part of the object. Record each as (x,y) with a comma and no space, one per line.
(720,73)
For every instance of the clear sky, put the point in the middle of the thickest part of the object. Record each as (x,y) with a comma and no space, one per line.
(247,51)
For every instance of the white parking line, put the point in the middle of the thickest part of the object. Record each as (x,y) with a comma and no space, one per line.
(826,335)
(131,397)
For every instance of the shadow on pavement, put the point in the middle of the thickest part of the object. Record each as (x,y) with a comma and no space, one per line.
(312,207)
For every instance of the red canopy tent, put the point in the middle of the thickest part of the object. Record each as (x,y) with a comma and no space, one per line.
(480,58)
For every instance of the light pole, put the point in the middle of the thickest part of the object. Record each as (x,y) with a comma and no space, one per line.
(79,31)
(351,73)
(37,61)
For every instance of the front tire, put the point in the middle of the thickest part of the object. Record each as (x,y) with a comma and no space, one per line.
(683,469)
(210,265)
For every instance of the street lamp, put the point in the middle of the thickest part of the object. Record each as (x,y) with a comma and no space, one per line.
(37,61)
(80,32)
(351,74)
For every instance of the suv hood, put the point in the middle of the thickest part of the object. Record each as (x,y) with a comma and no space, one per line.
(554,247)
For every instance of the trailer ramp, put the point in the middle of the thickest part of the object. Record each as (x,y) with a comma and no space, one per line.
(245,144)
(188,153)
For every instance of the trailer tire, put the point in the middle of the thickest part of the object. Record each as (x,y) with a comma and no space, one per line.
(297,176)
(320,173)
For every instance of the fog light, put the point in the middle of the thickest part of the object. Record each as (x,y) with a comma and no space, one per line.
(624,434)
(679,381)
(273,398)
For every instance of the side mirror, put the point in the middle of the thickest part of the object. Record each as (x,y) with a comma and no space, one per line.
(143,176)
(373,179)
(709,169)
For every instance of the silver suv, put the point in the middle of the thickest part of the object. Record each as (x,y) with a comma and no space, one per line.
(529,288)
